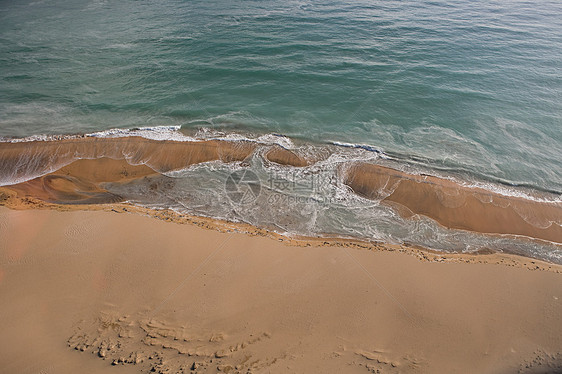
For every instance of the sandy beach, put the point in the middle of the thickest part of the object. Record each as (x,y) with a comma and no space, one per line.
(94,283)
(115,291)
(279,187)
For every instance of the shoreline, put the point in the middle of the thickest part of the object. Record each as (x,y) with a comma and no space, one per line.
(137,146)
(357,198)
(13,202)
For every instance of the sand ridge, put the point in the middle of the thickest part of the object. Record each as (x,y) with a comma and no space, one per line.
(456,206)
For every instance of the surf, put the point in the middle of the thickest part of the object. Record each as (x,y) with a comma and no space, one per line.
(305,189)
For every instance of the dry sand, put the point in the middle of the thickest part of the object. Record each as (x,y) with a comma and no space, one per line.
(107,292)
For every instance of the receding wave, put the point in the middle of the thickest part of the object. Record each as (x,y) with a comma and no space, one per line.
(309,189)
(456,206)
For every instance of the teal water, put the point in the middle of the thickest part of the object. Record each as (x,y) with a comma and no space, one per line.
(458,85)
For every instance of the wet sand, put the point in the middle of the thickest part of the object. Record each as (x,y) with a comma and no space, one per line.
(22,159)
(456,206)
(98,292)
(64,171)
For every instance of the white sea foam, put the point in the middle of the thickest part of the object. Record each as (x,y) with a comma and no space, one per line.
(206,133)
(162,133)
(153,133)
(365,147)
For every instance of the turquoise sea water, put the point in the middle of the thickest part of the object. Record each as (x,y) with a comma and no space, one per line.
(455,88)
(473,86)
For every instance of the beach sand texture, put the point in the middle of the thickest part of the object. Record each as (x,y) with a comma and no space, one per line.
(98,292)
(279,187)
(90,283)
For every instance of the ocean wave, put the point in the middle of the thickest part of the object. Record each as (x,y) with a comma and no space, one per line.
(153,132)
(206,133)
(164,133)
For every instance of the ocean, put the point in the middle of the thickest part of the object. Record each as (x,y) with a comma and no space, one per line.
(465,92)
